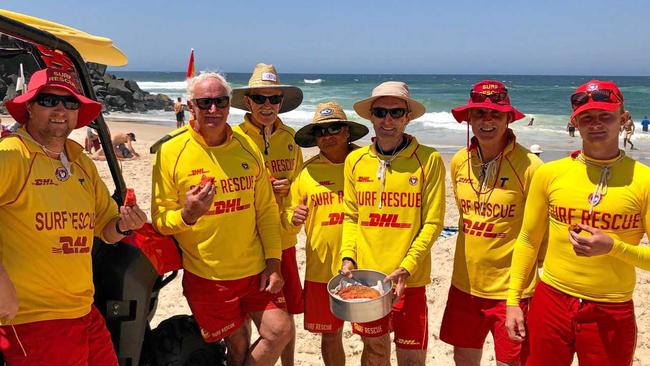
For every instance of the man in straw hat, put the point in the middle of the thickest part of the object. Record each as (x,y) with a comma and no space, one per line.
(594,204)
(317,203)
(212,192)
(53,203)
(264,98)
(490,177)
(394,211)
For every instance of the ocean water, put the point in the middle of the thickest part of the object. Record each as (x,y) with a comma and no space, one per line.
(546,98)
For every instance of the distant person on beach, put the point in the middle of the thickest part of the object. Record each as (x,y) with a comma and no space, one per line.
(571,128)
(122,146)
(644,123)
(211,191)
(594,205)
(628,130)
(530,123)
(179,111)
(395,179)
(318,206)
(91,141)
(536,149)
(264,98)
(53,203)
(491,178)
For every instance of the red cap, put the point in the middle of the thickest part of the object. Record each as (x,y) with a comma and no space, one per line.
(592,85)
(54,78)
(487,87)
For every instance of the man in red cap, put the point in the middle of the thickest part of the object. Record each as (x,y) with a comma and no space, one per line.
(53,203)
(491,178)
(594,205)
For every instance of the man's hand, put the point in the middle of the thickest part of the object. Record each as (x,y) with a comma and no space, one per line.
(8,299)
(399,275)
(301,212)
(281,186)
(271,278)
(346,268)
(598,243)
(197,202)
(515,323)
(131,218)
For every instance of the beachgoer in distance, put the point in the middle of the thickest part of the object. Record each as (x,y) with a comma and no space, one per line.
(644,123)
(179,111)
(530,123)
(318,205)
(571,128)
(211,191)
(594,205)
(536,149)
(122,146)
(53,203)
(628,128)
(395,179)
(491,178)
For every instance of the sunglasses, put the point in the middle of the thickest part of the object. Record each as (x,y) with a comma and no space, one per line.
(600,95)
(494,97)
(333,129)
(206,103)
(52,100)
(380,112)
(261,99)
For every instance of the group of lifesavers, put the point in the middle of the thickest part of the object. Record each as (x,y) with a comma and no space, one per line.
(377,207)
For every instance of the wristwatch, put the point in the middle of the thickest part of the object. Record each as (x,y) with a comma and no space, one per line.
(117,228)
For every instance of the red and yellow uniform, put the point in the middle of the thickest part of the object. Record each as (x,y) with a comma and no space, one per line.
(233,239)
(49,219)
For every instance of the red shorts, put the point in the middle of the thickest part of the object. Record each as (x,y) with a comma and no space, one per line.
(560,325)
(318,316)
(292,288)
(220,307)
(81,341)
(468,319)
(409,321)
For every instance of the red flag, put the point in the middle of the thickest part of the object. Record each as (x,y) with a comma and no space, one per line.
(190,66)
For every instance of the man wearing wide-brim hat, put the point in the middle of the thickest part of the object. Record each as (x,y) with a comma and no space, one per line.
(317,203)
(264,98)
(491,179)
(53,203)
(394,210)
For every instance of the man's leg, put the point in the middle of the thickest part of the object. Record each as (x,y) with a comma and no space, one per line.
(293,295)
(376,351)
(275,329)
(287,356)
(238,344)
(331,345)
(467,356)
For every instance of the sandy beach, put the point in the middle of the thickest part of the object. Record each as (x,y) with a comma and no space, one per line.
(137,174)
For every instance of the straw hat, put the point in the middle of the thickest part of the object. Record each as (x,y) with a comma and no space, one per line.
(264,77)
(326,114)
(397,89)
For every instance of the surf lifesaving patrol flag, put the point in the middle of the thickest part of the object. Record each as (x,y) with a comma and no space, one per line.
(191,70)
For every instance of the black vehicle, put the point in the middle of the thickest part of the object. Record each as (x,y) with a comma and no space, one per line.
(126,282)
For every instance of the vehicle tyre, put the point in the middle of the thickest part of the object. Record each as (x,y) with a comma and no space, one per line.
(177,341)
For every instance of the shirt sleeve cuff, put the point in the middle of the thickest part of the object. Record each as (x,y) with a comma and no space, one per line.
(348,253)
(409,265)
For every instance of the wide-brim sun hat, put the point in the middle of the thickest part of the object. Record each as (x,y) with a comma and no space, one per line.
(266,77)
(326,114)
(397,89)
(536,149)
(485,88)
(54,78)
(592,86)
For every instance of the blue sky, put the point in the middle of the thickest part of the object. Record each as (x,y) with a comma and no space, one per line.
(410,36)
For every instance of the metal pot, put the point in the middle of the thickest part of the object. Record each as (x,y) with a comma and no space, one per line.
(362,311)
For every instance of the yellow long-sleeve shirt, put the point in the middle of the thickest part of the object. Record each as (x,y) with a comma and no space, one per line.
(490,221)
(283,159)
(401,232)
(559,197)
(49,219)
(322,182)
(233,239)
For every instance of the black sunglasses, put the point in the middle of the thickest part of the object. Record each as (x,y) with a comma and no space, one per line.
(206,103)
(599,95)
(52,100)
(261,99)
(494,97)
(394,112)
(333,129)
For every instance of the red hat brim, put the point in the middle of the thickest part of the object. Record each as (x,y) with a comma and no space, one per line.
(461,114)
(605,106)
(88,109)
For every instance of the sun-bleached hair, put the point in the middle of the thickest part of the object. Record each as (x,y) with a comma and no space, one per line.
(204,75)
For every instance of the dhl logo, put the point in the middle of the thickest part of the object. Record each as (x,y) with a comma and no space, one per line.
(69,245)
(410,342)
(336,218)
(364,180)
(385,220)
(232,205)
(199,171)
(480,229)
(43,182)
(326,183)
